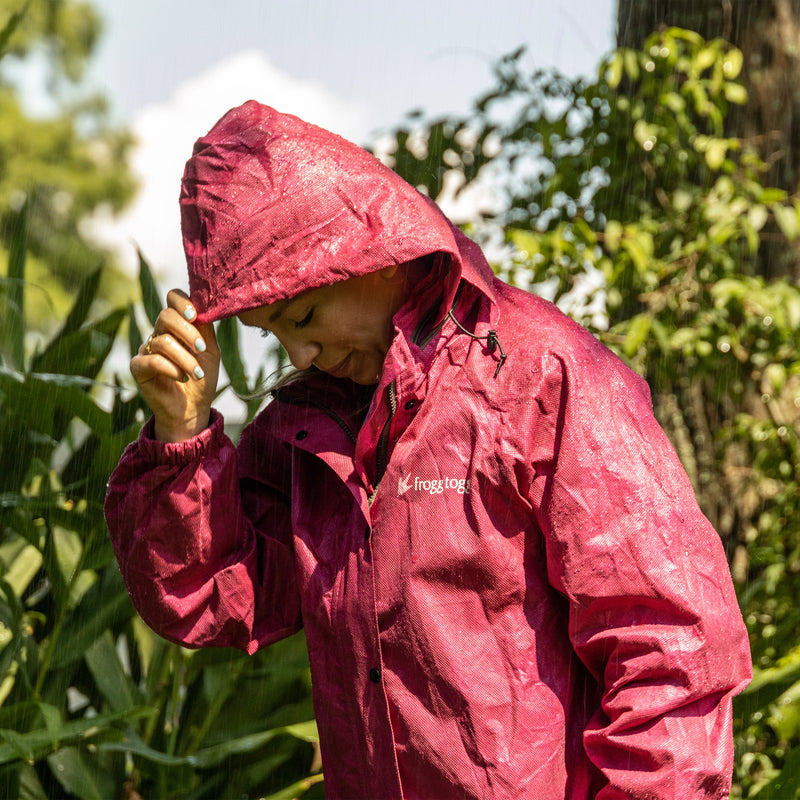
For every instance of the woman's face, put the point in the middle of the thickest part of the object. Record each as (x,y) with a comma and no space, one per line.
(344,329)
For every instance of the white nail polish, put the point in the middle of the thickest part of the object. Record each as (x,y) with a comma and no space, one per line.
(198,373)
(199,345)
(189,313)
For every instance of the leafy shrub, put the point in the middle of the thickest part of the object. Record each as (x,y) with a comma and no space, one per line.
(621,198)
(95,705)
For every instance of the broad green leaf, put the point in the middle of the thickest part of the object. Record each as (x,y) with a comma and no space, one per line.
(14,323)
(11,26)
(83,302)
(30,788)
(736,93)
(18,744)
(787,219)
(150,296)
(770,194)
(38,743)
(228,338)
(706,58)
(81,352)
(110,677)
(757,216)
(526,242)
(106,604)
(787,783)
(734,61)
(613,236)
(52,721)
(35,399)
(715,153)
(767,685)
(79,776)
(614,69)
(23,568)
(307,731)
(637,334)
(134,334)
(210,756)
(631,61)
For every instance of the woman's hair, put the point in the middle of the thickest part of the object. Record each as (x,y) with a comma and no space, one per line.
(275,381)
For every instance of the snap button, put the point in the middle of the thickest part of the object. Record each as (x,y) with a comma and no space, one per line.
(301,435)
(410,404)
(375,675)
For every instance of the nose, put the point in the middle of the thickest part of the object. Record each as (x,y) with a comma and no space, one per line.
(301,353)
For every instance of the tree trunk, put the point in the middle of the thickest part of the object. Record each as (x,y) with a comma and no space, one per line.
(768,33)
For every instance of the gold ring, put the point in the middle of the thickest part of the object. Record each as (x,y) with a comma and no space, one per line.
(147,344)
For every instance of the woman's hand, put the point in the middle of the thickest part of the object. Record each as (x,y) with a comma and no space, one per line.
(177,370)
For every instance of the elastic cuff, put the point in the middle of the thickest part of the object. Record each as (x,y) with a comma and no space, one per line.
(177,453)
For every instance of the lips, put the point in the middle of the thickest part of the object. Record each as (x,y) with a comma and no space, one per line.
(339,370)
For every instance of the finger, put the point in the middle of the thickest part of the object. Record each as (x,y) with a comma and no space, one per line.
(180,301)
(174,350)
(171,322)
(146,367)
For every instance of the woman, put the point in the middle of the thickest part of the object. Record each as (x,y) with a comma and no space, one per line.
(506,585)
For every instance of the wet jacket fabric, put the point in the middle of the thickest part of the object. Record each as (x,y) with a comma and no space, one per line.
(506,585)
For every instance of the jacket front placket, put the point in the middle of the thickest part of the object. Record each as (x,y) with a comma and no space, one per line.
(358,668)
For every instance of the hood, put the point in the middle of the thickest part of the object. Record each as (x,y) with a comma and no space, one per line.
(272,206)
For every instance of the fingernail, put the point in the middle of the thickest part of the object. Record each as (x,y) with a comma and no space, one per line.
(189,312)
(198,373)
(199,345)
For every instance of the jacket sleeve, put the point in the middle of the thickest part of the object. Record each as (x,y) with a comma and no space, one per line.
(652,611)
(205,551)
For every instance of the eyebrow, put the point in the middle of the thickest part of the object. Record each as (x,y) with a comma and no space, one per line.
(280,307)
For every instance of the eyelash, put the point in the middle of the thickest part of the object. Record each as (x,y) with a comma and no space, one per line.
(306,319)
(264,333)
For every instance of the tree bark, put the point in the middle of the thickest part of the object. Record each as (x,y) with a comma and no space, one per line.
(768,34)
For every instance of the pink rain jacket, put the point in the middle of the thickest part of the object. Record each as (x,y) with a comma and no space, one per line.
(506,585)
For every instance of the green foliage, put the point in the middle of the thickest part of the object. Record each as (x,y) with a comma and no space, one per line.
(94,704)
(621,197)
(63,167)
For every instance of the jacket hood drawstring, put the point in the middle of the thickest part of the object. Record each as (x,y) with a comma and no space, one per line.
(491,339)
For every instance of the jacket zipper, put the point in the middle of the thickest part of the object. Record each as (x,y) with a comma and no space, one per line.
(382,451)
(422,335)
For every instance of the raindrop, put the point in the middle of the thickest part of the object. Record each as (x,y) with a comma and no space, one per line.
(724,346)
(649,144)
(782,431)
(664,52)
(768,321)
(650,66)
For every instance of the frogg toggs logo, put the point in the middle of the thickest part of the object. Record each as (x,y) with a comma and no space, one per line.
(434,485)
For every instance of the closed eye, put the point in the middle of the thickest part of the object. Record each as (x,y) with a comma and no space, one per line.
(306,319)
